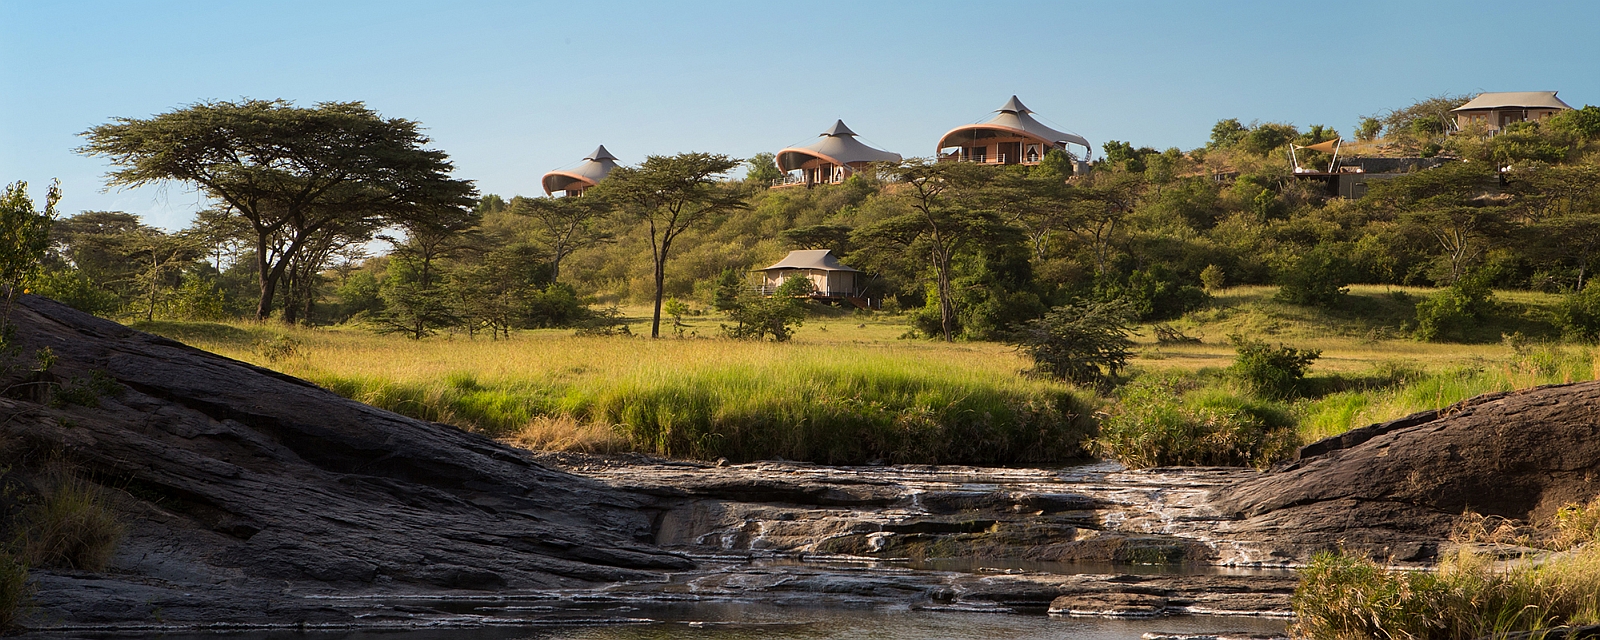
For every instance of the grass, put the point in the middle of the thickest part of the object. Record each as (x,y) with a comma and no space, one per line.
(849,389)
(844,391)
(73,527)
(15,593)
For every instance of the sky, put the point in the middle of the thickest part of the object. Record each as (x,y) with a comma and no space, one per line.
(511,90)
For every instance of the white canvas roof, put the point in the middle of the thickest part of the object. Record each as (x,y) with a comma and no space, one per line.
(818,259)
(594,168)
(1014,116)
(837,145)
(1515,100)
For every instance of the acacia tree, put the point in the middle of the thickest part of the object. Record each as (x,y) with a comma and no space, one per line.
(565,225)
(290,171)
(1451,205)
(942,214)
(671,195)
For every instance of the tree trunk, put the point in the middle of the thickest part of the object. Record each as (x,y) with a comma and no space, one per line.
(269,284)
(947,312)
(661,285)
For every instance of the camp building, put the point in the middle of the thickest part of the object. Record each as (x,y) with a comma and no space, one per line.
(594,168)
(834,156)
(1011,136)
(1494,111)
(831,279)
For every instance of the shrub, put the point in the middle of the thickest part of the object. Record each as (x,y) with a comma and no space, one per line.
(1156,294)
(1576,524)
(1154,425)
(1269,371)
(1578,317)
(1085,343)
(1448,314)
(778,315)
(73,527)
(1213,278)
(1320,278)
(14,589)
(1342,596)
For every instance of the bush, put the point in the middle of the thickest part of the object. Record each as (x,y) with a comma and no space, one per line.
(778,315)
(556,305)
(1578,317)
(1154,425)
(1449,314)
(1087,344)
(14,590)
(1576,524)
(1274,372)
(1342,596)
(1156,294)
(1213,278)
(1319,278)
(72,528)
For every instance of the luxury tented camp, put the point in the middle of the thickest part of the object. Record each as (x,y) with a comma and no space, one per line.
(1012,136)
(831,279)
(574,181)
(834,156)
(1494,111)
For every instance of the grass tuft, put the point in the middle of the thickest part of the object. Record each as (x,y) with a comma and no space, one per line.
(15,592)
(73,527)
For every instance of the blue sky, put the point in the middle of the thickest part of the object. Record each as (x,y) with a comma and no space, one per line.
(514,89)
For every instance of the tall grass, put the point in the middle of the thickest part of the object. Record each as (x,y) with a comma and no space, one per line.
(828,412)
(73,527)
(14,589)
(1168,420)
(1467,596)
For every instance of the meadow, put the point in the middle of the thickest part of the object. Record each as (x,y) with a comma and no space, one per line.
(853,388)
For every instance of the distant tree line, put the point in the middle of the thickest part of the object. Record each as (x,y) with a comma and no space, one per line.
(333,214)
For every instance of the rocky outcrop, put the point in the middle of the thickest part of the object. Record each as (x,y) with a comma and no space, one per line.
(232,477)
(1396,489)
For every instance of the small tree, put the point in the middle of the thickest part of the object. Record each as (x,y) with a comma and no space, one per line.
(757,317)
(24,237)
(1270,371)
(1319,278)
(1085,343)
(763,169)
(1579,314)
(1450,313)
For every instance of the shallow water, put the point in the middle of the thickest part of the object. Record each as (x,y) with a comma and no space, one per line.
(734,622)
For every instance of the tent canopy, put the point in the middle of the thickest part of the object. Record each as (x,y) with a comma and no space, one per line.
(594,168)
(837,145)
(1013,118)
(816,259)
(1515,100)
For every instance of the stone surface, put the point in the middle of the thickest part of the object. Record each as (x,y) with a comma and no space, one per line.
(1396,489)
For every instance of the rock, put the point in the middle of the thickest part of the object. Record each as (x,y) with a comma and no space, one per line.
(232,478)
(1394,490)
(1111,605)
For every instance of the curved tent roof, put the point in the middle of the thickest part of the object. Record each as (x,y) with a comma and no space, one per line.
(819,259)
(594,168)
(1515,100)
(837,145)
(1011,117)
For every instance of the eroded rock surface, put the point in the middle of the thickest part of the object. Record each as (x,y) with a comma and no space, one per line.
(1396,489)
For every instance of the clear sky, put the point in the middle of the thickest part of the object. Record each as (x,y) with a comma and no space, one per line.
(514,89)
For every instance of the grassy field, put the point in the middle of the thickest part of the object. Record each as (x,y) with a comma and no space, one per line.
(845,390)
(851,388)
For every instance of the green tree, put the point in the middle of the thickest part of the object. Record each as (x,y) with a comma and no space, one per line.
(1317,278)
(1369,128)
(1085,343)
(763,169)
(757,316)
(564,225)
(24,237)
(940,212)
(670,195)
(1450,205)
(288,170)
(1226,133)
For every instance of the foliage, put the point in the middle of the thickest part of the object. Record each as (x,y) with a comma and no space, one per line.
(763,169)
(1273,372)
(1155,294)
(1579,314)
(1465,596)
(1576,524)
(1213,278)
(1369,128)
(1085,343)
(24,236)
(757,316)
(73,528)
(15,592)
(1317,278)
(291,172)
(670,195)
(1154,424)
(1451,313)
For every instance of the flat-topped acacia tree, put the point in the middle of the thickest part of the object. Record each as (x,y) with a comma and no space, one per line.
(291,172)
(670,194)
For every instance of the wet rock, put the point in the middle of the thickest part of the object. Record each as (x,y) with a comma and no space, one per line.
(1109,605)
